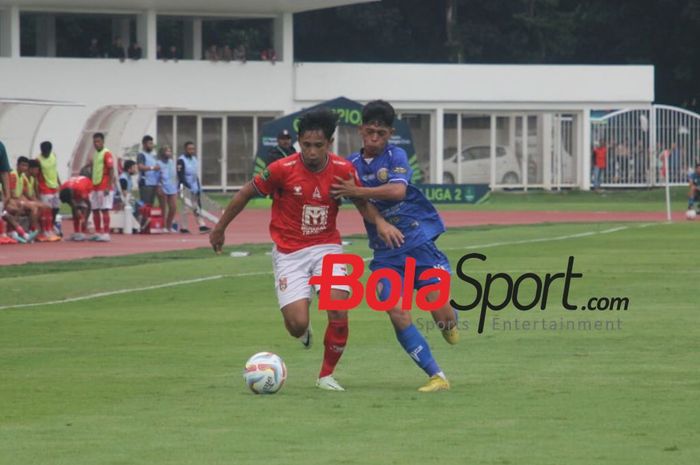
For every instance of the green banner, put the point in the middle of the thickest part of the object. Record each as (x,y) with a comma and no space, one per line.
(455,193)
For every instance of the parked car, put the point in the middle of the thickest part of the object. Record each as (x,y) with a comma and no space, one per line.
(476,166)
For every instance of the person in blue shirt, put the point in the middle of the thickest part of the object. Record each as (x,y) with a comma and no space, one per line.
(694,194)
(188,176)
(386,182)
(168,185)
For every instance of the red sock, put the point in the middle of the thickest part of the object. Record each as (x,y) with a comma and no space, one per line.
(334,342)
(105,221)
(47,223)
(97,219)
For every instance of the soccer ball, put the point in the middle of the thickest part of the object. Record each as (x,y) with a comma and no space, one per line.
(691,214)
(265,373)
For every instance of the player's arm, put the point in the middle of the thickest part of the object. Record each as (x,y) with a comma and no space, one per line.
(392,191)
(389,233)
(5,179)
(235,206)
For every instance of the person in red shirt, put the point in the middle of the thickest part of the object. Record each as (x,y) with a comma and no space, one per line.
(303,229)
(76,193)
(102,196)
(600,155)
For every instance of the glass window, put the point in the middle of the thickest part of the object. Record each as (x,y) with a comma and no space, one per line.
(211,156)
(240,150)
(186,132)
(420,132)
(165,128)
(171,39)
(224,39)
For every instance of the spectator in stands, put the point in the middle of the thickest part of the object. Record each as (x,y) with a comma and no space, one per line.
(159,53)
(600,154)
(76,193)
(135,51)
(173,53)
(212,53)
(168,185)
(94,49)
(187,173)
(118,49)
(102,195)
(239,53)
(48,178)
(283,148)
(45,215)
(226,53)
(269,54)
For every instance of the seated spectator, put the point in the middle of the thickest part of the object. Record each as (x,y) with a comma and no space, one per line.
(239,53)
(159,53)
(135,52)
(173,53)
(226,53)
(94,49)
(118,49)
(269,54)
(76,193)
(212,53)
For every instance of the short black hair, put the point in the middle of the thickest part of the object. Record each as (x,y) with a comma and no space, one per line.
(98,135)
(22,159)
(189,142)
(46,147)
(34,164)
(321,119)
(378,111)
(66,195)
(146,138)
(128,164)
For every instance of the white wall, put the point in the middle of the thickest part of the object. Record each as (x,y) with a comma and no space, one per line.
(506,84)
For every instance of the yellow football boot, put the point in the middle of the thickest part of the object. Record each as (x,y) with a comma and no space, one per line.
(451,335)
(435,383)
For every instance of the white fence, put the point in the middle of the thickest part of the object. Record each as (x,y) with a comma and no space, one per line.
(638,141)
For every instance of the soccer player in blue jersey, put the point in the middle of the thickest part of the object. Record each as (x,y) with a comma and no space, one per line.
(386,182)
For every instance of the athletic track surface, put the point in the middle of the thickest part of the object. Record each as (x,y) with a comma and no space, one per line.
(251,227)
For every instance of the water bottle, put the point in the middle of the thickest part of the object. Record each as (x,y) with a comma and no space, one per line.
(57,225)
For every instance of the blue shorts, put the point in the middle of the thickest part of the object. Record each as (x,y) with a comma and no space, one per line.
(427,257)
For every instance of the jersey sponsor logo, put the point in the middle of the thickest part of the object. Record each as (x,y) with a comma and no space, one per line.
(297,190)
(340,162)
(314,219)
(383,174)
(290,163)
(317,193)
(399,170)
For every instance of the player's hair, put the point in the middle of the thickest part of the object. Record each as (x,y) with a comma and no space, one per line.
(378,111)
(322,119)
(146,138)
(66,195)
(189,142)
(22,159)
(98,135)
(34,164)
(128,164)
(46,147)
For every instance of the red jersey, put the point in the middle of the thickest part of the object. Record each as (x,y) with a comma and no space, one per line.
(303,211)
(80,185)
(43,188)
(105,184)
(601,154)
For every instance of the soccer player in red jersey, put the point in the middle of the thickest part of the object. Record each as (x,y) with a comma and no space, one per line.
(303,228)
(102,196)
(76,193)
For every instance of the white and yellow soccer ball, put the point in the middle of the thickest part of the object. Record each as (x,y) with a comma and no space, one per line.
(691,214)
(265,373)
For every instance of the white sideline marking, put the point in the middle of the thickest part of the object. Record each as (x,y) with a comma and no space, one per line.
(259,273)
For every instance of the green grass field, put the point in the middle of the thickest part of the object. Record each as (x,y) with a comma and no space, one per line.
(154,376)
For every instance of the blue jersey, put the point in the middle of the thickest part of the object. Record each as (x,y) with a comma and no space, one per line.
(695,179)
(414,216)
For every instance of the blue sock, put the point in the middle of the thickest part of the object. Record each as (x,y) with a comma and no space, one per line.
(417,348)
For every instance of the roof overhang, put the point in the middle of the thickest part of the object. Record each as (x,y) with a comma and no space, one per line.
(232,7)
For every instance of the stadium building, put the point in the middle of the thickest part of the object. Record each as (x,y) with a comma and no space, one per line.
(508,126)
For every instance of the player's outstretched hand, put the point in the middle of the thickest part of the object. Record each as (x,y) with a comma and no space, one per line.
(344,188)
(216,239)
(390,234)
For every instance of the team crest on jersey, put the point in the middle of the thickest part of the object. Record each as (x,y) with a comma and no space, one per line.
(383,174)
(317,194)
(314,219)
(283,284)
(297,190)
